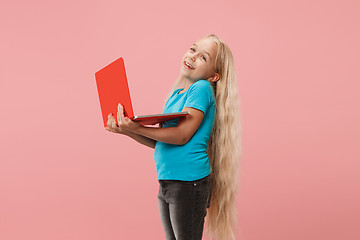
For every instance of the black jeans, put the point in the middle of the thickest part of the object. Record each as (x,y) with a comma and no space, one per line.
(182,206)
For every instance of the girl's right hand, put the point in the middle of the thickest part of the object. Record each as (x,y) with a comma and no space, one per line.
(113,127)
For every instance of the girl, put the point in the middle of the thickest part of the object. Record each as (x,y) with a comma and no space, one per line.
(196,156)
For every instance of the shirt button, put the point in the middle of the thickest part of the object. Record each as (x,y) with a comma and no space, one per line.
(194,184)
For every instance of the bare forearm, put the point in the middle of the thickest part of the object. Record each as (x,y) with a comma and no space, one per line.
(142,139)
(170,135)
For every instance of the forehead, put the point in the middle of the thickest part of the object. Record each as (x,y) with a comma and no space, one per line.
(208,45)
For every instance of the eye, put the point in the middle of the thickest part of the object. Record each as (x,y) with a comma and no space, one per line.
(192,49)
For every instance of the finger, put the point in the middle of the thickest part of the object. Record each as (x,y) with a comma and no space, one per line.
(113,119)
(108,123)
(113,123)
(110,120)
(109,128)
(120,113)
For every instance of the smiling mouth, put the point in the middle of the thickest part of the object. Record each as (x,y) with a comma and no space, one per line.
(188,67)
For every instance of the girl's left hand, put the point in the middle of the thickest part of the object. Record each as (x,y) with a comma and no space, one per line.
(125,123)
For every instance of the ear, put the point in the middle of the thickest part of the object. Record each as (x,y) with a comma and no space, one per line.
(214,78)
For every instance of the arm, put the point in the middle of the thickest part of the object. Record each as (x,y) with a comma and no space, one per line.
(113,127)
(142,139)
(178,135)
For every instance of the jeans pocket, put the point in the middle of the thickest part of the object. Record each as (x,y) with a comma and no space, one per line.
(203,192)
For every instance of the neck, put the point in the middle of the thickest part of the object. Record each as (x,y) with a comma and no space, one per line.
(187,82)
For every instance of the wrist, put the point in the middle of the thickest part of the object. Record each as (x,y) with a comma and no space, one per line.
(135,130)
(126,132)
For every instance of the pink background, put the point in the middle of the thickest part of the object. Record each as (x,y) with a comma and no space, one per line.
(62,176)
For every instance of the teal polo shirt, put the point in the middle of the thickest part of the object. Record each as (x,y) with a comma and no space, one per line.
(190,161)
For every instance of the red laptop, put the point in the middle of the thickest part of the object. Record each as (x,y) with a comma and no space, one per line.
(113,88)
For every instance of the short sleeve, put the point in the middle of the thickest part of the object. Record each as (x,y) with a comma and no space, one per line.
(199,95)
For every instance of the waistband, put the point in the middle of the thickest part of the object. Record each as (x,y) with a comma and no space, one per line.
(189,182)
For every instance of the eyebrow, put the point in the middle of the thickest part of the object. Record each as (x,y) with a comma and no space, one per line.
(204,51)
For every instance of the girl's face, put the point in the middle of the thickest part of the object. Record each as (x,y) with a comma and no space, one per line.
(201,58)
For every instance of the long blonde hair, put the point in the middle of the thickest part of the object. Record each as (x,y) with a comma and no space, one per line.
(224,147)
